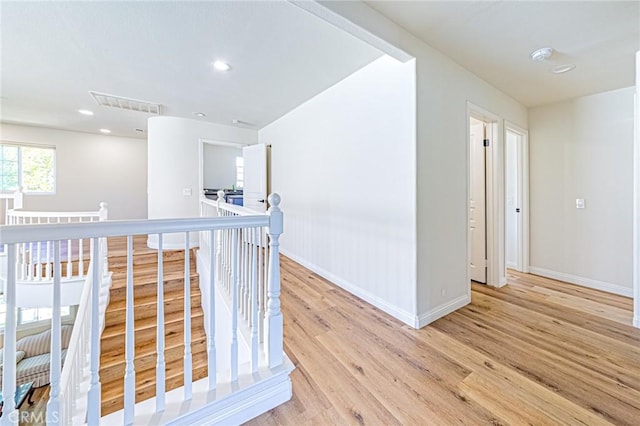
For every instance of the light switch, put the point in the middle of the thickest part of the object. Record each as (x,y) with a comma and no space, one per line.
(186,192)
(579,203)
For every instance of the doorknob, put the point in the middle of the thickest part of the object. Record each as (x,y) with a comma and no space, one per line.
(517,210)
(261,201)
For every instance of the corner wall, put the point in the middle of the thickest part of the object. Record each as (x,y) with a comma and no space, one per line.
(89,169)
(443,90)
(583,148)
(173,166)
(344,164)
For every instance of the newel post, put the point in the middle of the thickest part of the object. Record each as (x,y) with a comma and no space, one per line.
(273,316)
(103,213)
(18,198)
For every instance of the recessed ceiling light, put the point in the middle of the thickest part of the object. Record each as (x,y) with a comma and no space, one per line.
(85,112)
(105,131)
(561,69)
(199,114)
(221,66)
(541,54)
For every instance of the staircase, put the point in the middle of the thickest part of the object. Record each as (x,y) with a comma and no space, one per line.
(112,362)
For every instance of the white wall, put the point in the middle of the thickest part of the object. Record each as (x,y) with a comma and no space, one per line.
(173,166)
(220,166)
(583,148)
(89,169)
(443,89)
(344,164)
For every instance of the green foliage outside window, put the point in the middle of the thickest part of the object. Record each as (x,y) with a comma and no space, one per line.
(29,166)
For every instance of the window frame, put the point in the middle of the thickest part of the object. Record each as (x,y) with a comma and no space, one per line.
(20,146)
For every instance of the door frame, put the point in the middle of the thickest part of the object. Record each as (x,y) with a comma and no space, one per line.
(636,199)
(523,188)
(496,271)
(201,143)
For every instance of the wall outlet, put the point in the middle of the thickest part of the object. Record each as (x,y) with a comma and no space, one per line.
(443,292)
(186,192)
(579,203)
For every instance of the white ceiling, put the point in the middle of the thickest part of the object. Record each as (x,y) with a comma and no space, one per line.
(493,39)
(53,53)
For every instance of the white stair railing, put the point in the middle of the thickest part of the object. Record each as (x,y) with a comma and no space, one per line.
(72,391)
(35,259)
(12,201)
(247,263)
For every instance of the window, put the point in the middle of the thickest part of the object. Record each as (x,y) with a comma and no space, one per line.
(32,167)
(239,172)
(30,315)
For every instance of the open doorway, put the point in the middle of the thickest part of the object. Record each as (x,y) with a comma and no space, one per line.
(221,167)
(485,198)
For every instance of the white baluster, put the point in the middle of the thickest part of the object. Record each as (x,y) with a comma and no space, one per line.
(69,257)
(80,257)
(94,408)
(39,261)
(273,320)
(48,265)
(235,278)
(254,301)
(53,405)
(160,364)
(211,346)
(9,370)
(219,249)
(246,275)
(188,373)
(260,291)
(130,373)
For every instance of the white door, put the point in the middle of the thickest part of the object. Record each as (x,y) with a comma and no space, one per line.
(477,203)
(255,177)
(513,183)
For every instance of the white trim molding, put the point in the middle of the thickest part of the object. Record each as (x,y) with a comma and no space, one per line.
(636,199)
(585,282)
(383,305)
(442,310)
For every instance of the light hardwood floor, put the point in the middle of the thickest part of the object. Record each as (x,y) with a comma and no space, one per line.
(534,352)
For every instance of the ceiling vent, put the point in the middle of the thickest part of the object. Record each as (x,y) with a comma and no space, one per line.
(125,103)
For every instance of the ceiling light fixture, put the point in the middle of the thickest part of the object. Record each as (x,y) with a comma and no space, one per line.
(243,123)
(221,66)
(541,54)
(199,114)
(85,112)
(561,69)
(105,131)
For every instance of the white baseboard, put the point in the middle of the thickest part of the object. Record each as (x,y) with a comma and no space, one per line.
(636,322)
(585,282)
(442,310)
(365,295)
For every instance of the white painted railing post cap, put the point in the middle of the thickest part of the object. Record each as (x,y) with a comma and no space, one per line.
(274,201)
(103,212)
(275,214)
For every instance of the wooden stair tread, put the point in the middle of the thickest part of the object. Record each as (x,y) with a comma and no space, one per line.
(112,362)
(112,369)
(112,397)
(171,317)
(120,306)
